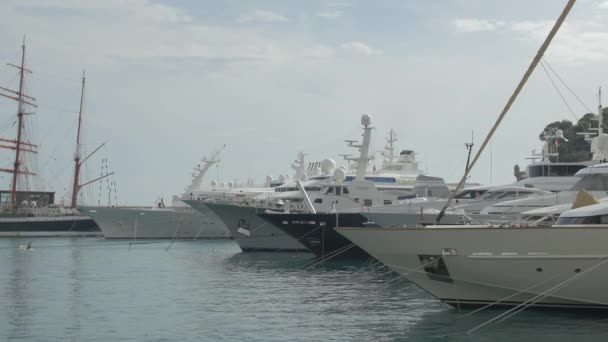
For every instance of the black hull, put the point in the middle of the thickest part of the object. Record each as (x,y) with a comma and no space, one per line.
(48,226)
(316,231)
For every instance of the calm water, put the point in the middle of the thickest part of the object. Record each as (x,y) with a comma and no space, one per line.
(93,289)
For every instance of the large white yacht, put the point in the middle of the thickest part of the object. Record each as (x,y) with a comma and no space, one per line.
(395,179)
(178,220)
(563,265)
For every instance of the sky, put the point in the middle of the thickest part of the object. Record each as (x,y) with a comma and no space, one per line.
(168,82)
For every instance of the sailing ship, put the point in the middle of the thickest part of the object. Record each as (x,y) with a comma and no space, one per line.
(35,213)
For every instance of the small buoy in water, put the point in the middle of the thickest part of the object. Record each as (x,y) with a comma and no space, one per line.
(28,247)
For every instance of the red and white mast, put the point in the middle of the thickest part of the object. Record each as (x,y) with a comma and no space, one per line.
(19,144)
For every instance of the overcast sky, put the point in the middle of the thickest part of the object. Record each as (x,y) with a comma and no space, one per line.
(170,81)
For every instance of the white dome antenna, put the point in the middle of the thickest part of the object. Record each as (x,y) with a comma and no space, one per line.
(366,120)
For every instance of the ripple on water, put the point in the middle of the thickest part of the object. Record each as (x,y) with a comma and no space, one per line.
(209,290)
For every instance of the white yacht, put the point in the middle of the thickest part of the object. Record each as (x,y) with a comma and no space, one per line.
(395,179)
(593,179)
(468,203)
(564,265)
(178,220)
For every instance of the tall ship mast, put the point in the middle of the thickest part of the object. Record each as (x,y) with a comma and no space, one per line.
(19,145)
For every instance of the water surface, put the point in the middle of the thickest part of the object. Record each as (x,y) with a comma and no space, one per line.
(101,290)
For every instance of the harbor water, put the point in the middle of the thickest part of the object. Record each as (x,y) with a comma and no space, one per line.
(93,289)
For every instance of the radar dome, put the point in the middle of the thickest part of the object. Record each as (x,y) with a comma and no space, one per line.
(222,185)
(366,120)
(268,179)
(282,178)
(328,165)
(339,174)
(213,183)
(316,171)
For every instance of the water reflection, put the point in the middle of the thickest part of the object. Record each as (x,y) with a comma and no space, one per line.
(18,294)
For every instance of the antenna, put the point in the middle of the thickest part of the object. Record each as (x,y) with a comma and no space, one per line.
(469,147)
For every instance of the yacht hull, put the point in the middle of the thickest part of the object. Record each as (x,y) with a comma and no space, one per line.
(48,226)
(316,231)
(252,233)
(154,223)
(564,267)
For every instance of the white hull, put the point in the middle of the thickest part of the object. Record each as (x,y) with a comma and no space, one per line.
(551,267)
(400,220)
(249,231)
(155,223)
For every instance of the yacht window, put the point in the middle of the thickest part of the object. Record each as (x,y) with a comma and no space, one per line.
(356,200)
(345,191)
(604,219)
(492,195)
(465,194)
(319,200)
(338,191)
(596,182)
(330,190)
(367,202)
(579,220)
(554,170)
(470,194)
(506,194)
(388,202)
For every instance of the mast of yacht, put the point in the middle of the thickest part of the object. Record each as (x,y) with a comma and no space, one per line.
(363,160)
(505,110)
(600,112)
(392,138)
(77,153)
(78,160)
(19,144)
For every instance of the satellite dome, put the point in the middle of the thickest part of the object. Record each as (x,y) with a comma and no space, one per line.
(339,174)
(222,184)
(328,165)
(213,183)
(316,171)
(269,179)
(282,178)
(366,120)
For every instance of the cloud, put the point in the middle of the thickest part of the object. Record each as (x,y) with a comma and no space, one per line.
(603,4)
(135,10)
(262,16)
(361,48)
(578,39)
(341,4)
(330,14)
(467,25)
